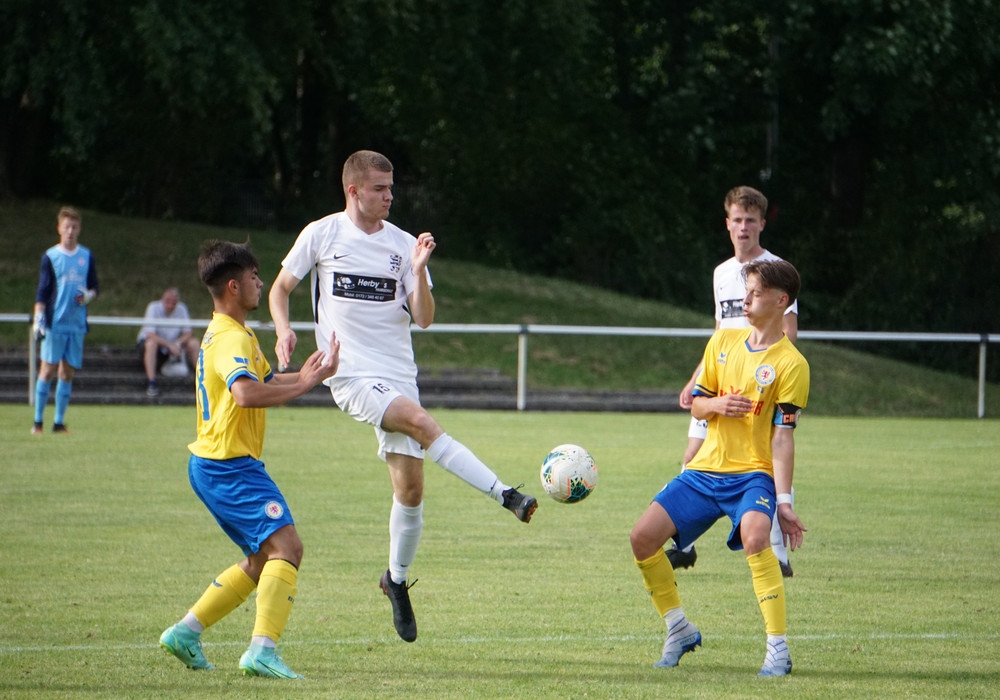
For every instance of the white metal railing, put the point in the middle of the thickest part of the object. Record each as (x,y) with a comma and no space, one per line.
(522,331)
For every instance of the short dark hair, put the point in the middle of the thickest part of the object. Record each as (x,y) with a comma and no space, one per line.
(221,261)
(776,274)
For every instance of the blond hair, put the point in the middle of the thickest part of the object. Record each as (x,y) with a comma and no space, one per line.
(358,164)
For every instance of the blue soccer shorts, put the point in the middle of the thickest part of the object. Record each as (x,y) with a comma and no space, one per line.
(695,500)
(57,346)
(242,497)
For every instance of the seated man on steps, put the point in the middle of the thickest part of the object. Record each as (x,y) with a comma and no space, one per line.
(161,347)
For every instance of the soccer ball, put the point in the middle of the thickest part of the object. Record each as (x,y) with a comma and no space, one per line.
(569,474)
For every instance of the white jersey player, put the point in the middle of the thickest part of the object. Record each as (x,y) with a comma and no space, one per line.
(368,279)
(745,212)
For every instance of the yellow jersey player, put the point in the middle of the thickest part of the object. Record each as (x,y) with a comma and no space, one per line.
(753,385)
(234,384)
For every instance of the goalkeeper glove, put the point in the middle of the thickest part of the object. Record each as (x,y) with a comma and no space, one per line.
(38,326)
(84,296)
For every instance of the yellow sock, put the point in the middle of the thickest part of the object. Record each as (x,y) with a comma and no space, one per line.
(658,577)
(275,596)
(770,589)
(228,591)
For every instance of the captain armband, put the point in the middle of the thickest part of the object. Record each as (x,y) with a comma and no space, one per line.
(786,415)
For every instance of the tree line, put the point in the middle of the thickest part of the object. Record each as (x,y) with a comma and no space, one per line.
(575,138)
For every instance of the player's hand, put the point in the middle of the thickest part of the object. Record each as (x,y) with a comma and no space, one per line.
(331,358)
(686,398)
(84,296)
(732,405)
(321,365)
(422,250)
(792,528)
(38,326)
(284,347)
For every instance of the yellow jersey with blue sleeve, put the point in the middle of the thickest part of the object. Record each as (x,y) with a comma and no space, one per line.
(229,351)
(775,378)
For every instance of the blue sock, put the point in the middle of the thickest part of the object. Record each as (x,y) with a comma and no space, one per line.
(63,391)
(41,398)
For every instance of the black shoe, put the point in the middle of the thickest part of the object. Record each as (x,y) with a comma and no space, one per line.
(59,428)
(36,429)
(520,504)
(786,569)
(152,390)
(402,611)
(679,559)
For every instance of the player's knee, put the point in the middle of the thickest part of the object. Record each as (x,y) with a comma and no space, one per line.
(409,494)
(423,428)
(755,542)
(643,545)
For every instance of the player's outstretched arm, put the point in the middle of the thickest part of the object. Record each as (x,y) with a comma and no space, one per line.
(283,388)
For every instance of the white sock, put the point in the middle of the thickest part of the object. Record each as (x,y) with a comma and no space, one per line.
(777,539)
(261,640)
(673,617)
(406,524)
(456,458)
(191,621)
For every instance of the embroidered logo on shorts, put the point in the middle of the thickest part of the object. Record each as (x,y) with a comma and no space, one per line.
(764,375)
(273,510)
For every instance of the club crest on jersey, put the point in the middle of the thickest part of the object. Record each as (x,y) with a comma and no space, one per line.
(395,262)
(764,375)
(273,510)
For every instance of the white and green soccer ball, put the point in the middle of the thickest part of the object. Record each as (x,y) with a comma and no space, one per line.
(569,474)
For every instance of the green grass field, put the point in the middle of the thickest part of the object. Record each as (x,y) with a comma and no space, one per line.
(896,593)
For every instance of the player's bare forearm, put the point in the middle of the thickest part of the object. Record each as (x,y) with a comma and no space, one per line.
(728,406)
(277,301)
(422,306)
(421,300)
(783,459)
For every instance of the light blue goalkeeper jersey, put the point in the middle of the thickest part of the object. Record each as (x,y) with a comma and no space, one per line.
(63,277)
